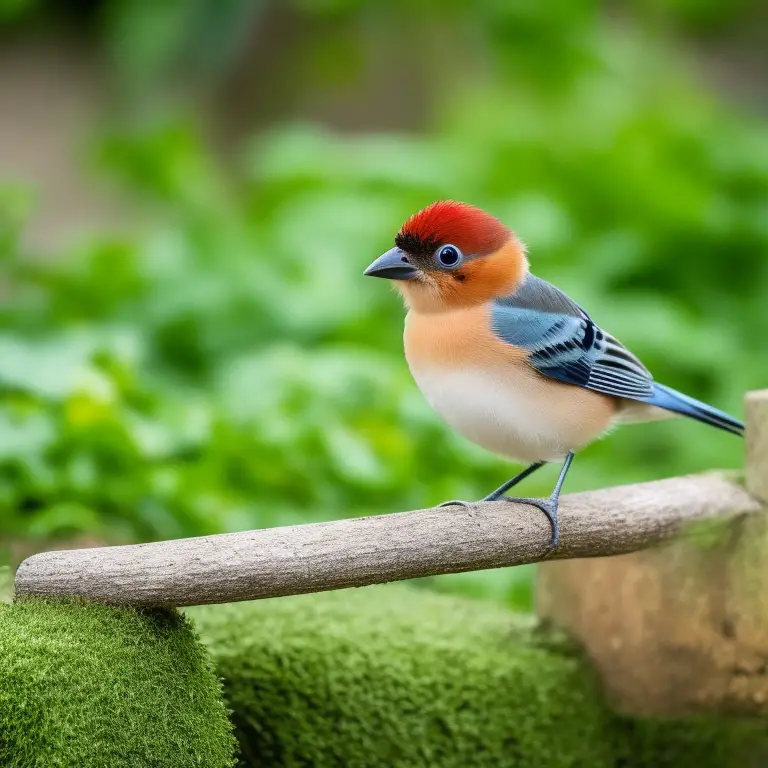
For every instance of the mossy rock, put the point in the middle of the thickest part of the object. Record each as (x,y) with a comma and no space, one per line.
(395,676)
(384,676)
(703,742)
(88,686)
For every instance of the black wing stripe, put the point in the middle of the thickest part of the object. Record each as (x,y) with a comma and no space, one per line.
(609,362)
(619,384)
(622,365)
(622,353)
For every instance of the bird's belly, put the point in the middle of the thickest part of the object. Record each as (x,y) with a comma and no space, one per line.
(517,414)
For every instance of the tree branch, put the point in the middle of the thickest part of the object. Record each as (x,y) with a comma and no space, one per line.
(369,550)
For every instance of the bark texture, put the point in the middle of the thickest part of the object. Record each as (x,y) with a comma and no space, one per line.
(370,550)
(757,444)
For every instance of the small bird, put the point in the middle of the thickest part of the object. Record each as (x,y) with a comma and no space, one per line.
(508,360)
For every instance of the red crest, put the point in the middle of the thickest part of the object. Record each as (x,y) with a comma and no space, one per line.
(447,221)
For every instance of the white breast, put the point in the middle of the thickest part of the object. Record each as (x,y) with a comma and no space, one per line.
(516,414)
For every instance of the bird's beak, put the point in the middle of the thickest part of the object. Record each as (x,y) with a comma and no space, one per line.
(393,265)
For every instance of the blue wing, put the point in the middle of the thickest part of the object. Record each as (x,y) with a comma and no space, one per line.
(565,344)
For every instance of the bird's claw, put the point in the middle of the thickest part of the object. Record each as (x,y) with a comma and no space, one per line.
(547,506)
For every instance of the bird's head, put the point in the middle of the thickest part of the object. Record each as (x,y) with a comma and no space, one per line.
(452,255)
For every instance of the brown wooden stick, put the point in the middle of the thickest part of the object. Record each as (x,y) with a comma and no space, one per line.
(756,406)
(370,550)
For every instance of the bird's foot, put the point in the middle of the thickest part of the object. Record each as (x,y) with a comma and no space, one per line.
(547,506)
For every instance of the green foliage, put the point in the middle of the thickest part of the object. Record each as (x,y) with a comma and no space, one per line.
(226,365)
(390,676)
(87,686)
(10,10)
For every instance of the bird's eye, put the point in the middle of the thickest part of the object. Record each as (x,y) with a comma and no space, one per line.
(448,256)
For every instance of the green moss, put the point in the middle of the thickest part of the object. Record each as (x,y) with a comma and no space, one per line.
(92,686)
(385,676)
(395,677)
(705,742)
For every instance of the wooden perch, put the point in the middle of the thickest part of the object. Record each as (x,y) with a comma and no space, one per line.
(370,550)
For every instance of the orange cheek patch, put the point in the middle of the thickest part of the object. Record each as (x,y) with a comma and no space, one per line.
(481,280)
(474,283)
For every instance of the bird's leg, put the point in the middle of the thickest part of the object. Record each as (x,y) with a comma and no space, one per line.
(501,490)
(549,506)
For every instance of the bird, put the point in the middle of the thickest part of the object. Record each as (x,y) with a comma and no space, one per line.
(508,360)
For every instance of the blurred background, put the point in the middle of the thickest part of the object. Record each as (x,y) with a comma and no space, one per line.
(190,191)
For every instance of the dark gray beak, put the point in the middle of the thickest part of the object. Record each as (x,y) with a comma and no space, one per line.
(393,265)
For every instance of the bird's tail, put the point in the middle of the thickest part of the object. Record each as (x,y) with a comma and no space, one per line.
(671,400)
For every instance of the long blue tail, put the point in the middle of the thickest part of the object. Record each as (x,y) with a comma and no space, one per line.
(672,400)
